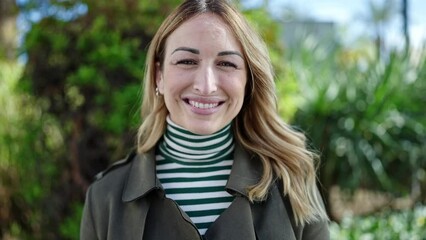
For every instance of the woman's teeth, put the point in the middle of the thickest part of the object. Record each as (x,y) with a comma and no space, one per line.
(203,105)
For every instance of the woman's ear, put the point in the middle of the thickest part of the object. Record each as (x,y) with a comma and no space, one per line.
(159,77)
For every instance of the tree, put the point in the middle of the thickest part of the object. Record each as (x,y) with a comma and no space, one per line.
(82,89)
(379,15)
(8,31)
(405,24)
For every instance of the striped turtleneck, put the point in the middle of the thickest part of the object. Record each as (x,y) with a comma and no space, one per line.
(194,169)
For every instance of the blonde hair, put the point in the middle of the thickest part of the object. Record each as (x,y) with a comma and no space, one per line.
(257,128)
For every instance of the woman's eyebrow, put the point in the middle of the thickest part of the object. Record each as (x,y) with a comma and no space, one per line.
(224,53)
(196,51)
(191,50)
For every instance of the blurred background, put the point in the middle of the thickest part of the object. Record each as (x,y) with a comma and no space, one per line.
(351,74)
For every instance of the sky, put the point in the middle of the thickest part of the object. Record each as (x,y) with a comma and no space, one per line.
(345,13)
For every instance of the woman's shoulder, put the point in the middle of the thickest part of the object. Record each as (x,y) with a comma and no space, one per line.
(117,166)
(115,175)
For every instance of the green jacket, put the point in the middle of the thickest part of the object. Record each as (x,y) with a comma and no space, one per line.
(128,202)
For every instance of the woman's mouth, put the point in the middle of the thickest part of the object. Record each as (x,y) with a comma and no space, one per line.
(204,104)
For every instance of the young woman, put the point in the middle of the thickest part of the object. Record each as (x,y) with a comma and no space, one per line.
(214,159)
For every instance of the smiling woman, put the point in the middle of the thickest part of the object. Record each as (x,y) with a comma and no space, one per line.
(203,75)
(214,159)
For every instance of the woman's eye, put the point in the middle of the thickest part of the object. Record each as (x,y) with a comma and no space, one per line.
(227,64)
(186,62)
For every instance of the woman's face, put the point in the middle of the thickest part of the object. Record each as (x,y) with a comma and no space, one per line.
(204,75)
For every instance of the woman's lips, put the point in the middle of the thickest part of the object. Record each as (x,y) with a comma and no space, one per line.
(203,107)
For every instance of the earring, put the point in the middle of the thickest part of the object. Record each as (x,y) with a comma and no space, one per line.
(157,92)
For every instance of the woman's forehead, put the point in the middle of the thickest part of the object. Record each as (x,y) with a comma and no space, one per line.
(201,30)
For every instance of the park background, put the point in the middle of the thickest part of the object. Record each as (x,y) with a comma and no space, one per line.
(70,90)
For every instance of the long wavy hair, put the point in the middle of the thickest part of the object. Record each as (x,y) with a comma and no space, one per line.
(258,127)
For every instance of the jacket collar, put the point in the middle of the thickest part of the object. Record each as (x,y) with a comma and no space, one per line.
(142,178)
(246,171)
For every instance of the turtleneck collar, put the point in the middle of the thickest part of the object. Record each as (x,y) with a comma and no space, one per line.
(180,145)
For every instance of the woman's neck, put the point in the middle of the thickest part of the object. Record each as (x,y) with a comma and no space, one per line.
(185,147)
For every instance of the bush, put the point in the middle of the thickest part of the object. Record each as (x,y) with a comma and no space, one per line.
(404,225)
(365,116)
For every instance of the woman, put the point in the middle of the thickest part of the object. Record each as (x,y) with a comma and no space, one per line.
(214,159)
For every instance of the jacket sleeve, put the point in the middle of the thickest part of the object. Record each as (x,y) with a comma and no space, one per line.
(87,228)
(317,230)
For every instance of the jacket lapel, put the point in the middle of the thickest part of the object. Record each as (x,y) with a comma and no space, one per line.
(256,220)
(151,210)
(236,222)
(246,171)
(271,219)
(142,178)
(141,181)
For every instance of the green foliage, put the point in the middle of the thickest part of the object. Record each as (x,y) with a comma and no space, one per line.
(29,142)
(70,112)
(70,226)
(409,224)
(366,117)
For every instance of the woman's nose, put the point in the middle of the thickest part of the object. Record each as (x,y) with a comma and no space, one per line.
(205,81)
